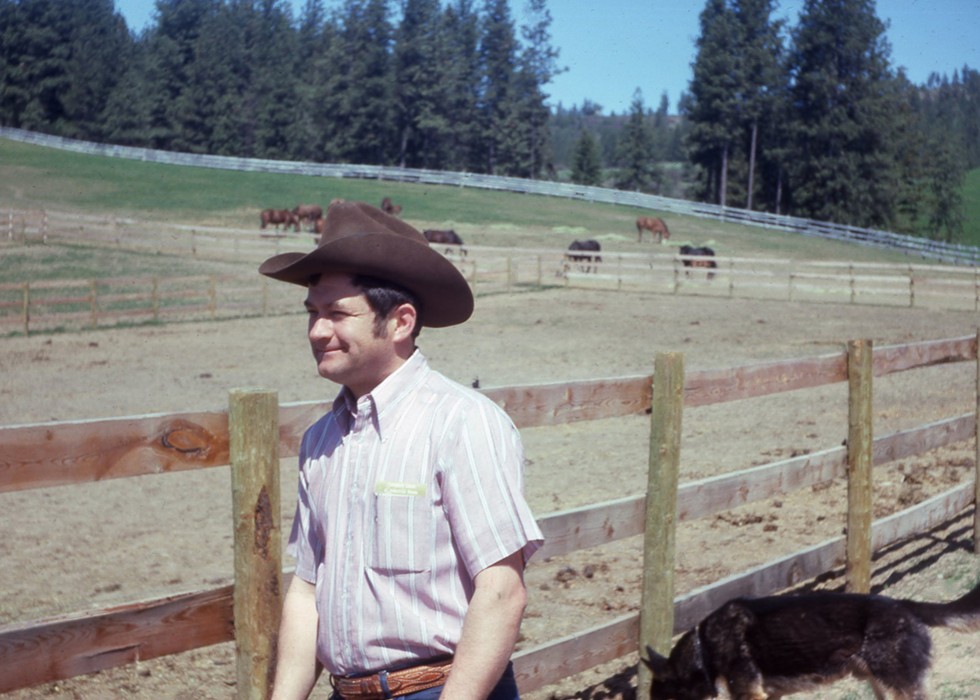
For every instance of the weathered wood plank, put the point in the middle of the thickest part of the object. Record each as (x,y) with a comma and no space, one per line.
(763,580)
(899,358)
(50,650)
(555,404)
(788,571)
(697,499)
(922,517)
(53,454)
(720,385)
(590,526)
(554,660)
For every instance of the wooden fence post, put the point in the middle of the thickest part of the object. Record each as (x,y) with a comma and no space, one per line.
(859,463)
(253,433)
(657,601)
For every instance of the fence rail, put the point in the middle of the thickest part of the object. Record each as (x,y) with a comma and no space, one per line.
(40,306)
(945,252)
(49,454)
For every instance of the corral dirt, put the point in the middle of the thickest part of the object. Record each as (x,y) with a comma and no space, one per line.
(68,549)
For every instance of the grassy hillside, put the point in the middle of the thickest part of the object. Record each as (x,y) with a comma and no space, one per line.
(33,177)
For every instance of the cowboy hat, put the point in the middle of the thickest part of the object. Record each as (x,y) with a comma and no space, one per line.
(361,239)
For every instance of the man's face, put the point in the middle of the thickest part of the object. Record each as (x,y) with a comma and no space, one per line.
(343,335)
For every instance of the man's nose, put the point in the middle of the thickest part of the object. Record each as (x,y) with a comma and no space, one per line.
(320,327)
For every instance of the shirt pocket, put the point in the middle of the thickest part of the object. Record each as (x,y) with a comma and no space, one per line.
(401,540)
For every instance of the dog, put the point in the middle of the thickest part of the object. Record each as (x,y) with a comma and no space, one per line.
(765,648)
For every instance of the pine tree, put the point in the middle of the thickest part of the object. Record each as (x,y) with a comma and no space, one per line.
(498,63)
(715,91)
(358,93)
(586,166)
(842,162)
(538,65)
(60,63)
(421,62)
(274,89)
(461,28)
(761,74)
(637,169)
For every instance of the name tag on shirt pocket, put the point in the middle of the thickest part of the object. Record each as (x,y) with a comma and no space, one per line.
(401,541)
(398,488)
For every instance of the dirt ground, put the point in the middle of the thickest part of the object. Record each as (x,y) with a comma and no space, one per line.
(68,549)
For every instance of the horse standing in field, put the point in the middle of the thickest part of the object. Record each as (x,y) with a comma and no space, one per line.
(448,237)
(698,256)
(584,254)
(278,217)
(308,212)
(655,225)
(389,207)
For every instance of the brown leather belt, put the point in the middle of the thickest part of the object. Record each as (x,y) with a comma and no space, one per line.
(401,682)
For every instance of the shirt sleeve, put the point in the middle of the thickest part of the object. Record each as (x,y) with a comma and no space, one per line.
(483,462)
(304,541)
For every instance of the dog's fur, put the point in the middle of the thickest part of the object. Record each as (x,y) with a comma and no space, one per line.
(770,647)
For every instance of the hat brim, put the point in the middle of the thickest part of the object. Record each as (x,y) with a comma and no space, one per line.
(445,295)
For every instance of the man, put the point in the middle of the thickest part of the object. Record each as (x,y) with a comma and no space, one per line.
(411,531)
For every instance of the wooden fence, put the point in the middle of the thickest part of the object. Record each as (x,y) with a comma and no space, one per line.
(946,252)
(39,306)
(50,454)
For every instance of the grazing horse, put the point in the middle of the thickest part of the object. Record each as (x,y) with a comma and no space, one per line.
(278,217)
(308,212)
(655,225)
(449,238)
(703,256)
(582,253)
(388,207)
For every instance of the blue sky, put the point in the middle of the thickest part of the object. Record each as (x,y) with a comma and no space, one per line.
(612,47)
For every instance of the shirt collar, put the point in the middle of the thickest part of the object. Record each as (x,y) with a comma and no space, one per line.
(389,393)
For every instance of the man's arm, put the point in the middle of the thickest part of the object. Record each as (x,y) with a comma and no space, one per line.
(490,630)
(296,666)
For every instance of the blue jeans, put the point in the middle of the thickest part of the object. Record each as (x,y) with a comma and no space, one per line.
(506,689)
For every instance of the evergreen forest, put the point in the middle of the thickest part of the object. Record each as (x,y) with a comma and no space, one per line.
(811,120)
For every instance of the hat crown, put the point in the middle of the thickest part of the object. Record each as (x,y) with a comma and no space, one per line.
(345,219)
(360,239)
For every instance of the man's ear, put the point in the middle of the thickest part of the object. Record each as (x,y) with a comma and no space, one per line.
(405,318)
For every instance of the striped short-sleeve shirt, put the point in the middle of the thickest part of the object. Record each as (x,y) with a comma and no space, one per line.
(404,496)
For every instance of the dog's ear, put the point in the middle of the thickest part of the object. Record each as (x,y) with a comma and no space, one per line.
(654,661)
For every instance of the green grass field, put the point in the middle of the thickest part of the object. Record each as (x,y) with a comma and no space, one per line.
(34,177)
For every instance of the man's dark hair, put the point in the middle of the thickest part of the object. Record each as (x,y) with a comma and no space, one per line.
(383,297)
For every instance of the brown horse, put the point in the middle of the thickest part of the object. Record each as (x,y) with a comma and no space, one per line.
(655,225)
(447,237)
(278,217)
(308,212)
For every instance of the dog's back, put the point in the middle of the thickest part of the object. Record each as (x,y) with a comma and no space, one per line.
(774,646)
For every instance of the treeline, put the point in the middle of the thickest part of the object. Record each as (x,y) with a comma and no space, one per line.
(810,120)
(446,87)
(814,121)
